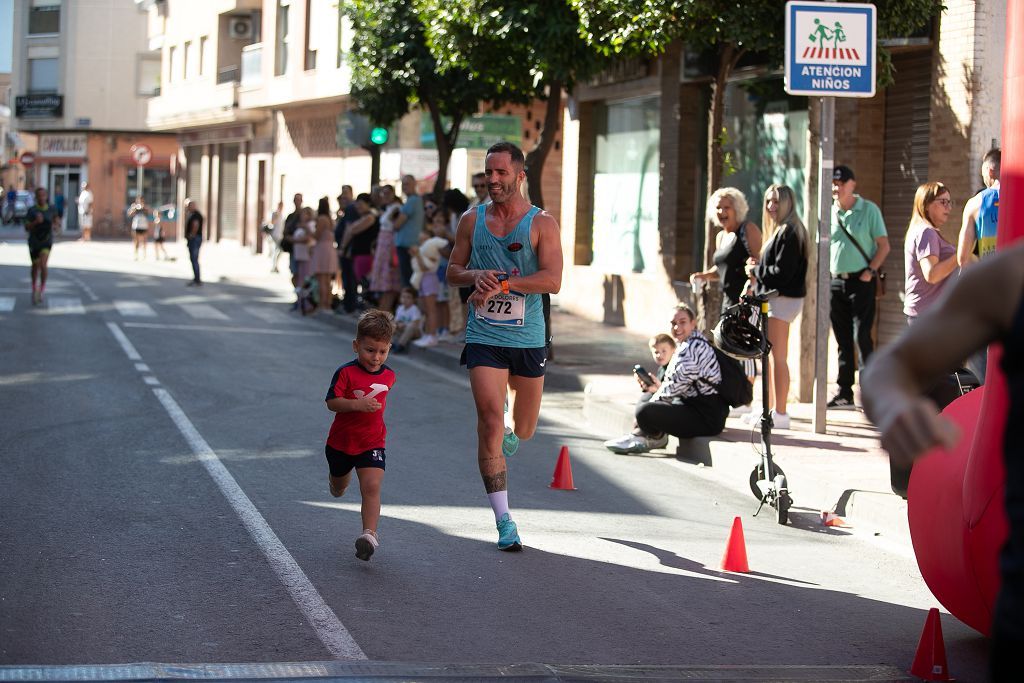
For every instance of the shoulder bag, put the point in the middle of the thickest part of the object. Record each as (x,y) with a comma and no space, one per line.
(879,274)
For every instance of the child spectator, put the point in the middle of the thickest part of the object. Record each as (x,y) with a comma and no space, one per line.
(408,320)
(425,260)
(662,347)
(302,245)
(357,395)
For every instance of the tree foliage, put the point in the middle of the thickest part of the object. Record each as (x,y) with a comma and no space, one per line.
(523,50)
(394,70)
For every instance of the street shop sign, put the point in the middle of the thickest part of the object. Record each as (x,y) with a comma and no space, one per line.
(830,49)
(38,106)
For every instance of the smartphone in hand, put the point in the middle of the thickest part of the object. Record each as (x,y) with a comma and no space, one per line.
(643,375)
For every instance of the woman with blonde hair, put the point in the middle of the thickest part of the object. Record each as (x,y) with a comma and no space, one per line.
(782,268)
(928,259)
(324,257)
(737,241)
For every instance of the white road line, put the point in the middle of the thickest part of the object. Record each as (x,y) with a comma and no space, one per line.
(142,367)
(6,304)
(135,308)
(123,341)
(213,328)
(64,304)
(323,620)
(204,312)
(151,381)
(266,314)
(81,284)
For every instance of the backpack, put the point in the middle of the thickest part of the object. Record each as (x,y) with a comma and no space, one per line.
(735,388)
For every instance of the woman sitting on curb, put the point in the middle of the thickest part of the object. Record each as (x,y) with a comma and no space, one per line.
(686,404)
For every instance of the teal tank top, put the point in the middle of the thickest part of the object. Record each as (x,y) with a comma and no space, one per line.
(987,221)
(515,320)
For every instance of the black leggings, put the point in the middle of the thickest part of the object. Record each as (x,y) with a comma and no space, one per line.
(701,416)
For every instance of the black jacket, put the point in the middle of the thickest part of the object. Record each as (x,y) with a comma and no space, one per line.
(783,265)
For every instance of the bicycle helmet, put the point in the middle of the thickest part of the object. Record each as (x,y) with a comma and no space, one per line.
(736,336)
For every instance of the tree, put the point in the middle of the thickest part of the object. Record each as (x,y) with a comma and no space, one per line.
(394,70)
(728,30)
(522,50)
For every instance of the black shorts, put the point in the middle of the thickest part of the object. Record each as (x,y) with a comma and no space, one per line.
(342,463)
(36,250)
(519,362)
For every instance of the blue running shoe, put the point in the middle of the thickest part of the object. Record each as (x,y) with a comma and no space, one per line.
(509,444)
(508,535)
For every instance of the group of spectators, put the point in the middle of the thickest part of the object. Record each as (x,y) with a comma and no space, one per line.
(378,249)
(771,262)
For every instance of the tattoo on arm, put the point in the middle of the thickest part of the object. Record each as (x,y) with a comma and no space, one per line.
(495,482)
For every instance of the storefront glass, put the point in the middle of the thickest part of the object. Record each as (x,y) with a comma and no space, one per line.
(766,141)
(157,187)
(626,182)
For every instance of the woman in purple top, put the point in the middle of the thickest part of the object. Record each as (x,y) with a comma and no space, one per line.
(928,257)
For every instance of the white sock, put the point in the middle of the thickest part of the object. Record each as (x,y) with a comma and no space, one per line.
(499,503)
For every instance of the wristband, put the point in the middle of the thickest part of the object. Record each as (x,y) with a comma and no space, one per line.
(503,281)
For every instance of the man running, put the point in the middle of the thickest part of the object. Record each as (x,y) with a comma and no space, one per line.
(40,223)
(511,252)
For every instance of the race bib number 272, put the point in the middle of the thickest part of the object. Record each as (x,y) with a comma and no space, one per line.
(506,310)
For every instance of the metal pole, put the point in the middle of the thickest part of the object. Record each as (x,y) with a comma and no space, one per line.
(138,181)
(826,161)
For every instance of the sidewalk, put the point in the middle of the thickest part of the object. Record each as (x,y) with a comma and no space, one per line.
(844,470)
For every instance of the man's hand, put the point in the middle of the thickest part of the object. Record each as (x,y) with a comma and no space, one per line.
(478,298)
(916,428)
(866,275)
(486,280)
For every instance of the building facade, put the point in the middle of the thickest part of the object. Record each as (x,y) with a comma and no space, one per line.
(82,75)
(642,129)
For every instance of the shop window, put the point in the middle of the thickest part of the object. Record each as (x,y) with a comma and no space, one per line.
(626,185)
(157,187)
(42,75)
(44,17)
(765,141)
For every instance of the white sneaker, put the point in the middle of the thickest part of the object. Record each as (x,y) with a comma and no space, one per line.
(634,443)
(780,420)
(739,410)
(753,417)
(425,341)
(366,544)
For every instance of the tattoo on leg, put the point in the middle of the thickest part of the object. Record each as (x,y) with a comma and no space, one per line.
(495,482)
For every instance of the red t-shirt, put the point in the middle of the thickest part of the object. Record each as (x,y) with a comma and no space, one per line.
(357,432)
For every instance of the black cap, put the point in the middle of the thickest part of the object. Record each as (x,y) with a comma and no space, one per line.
(842,173)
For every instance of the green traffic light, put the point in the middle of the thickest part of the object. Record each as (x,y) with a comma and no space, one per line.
(379,136)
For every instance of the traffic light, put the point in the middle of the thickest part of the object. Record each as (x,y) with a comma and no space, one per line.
(379,136)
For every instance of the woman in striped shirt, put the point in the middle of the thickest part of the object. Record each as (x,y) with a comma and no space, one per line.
(686,404)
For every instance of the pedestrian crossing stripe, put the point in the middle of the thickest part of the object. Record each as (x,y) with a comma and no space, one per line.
(204,312)
(6,304)
(62,304)
(134,309)
(267,314)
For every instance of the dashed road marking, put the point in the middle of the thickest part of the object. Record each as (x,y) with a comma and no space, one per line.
(135,309)
(204,312)
(63,304)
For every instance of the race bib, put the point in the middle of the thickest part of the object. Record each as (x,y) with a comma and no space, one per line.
(505,310)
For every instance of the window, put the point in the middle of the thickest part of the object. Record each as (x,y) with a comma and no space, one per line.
(172,62)
(310,61)
(42,76)
(281,39)
(44,17)
(149,76)
(202,53)
(187,58)
(341,35)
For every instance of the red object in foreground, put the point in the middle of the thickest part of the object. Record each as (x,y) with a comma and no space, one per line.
(930,660)
(562,478)
(735,558)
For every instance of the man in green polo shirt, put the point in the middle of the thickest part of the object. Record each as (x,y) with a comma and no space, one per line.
(853,276)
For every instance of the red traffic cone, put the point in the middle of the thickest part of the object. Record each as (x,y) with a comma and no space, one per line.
(930,660)
(735,558)
(562,478)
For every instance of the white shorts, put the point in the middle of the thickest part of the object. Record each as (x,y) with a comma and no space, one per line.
(85,221)
(785,308)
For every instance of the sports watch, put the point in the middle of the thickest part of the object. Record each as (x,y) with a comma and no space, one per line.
(503,280)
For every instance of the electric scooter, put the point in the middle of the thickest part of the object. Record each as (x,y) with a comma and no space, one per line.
(767,480)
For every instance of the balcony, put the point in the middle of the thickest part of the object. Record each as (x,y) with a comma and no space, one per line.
(191,104)
(252,65)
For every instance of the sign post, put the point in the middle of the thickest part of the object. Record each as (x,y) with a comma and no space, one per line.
(830,52)
(141,154)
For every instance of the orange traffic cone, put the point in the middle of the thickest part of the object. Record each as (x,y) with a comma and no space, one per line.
(735,558)
(930,660)
(562,478)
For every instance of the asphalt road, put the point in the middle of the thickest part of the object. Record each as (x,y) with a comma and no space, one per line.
(173,507)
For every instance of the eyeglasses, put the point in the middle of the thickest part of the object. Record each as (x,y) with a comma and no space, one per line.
(945,202)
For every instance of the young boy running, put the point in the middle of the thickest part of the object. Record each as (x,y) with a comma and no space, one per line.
(357,396)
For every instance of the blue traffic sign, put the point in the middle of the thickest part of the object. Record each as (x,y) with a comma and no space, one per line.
(830,49)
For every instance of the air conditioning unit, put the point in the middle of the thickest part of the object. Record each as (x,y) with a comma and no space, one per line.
(240,28)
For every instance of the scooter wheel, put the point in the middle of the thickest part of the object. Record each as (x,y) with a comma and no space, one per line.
(757,474)
(782,502)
